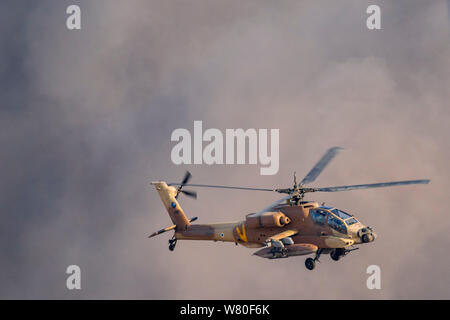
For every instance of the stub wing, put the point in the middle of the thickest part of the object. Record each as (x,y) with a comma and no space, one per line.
(298,249)
(282,246)
(282,235)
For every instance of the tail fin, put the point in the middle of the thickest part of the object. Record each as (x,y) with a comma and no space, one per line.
(167,195)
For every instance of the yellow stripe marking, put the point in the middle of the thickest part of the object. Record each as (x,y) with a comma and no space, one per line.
(242,235)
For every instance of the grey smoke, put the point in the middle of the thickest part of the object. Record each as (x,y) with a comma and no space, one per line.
(86,118)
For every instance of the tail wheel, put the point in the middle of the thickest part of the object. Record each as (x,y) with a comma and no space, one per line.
(172,244)
(310,264)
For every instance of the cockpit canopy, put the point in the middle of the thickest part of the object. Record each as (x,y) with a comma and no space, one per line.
(333,217)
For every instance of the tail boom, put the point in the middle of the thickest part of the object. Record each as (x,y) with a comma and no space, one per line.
(213,231)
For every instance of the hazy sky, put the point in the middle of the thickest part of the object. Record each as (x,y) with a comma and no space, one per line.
(86,119)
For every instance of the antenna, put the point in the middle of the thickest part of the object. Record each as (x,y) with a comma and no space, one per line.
(295,180)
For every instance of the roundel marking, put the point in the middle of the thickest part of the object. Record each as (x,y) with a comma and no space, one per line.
(173,204)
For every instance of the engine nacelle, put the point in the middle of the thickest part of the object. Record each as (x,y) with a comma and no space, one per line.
(268,219)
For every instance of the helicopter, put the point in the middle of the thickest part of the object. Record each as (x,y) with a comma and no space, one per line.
(288,227)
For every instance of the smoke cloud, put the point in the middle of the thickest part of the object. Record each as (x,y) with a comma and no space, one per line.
(87,116)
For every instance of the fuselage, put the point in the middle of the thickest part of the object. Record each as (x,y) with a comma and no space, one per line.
(325,227)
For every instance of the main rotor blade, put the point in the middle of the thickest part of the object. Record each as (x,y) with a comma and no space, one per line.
(270,207)
(320,165)
(221,187)
(369,186)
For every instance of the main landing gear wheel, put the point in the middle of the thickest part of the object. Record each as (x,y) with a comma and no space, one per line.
(310,264)
(172,244)
(337,254)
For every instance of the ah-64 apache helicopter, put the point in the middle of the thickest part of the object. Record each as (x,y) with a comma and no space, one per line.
(288,227)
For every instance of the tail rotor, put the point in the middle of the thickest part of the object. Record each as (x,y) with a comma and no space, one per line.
(188,193)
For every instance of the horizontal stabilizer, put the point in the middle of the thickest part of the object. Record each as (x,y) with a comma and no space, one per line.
(172,227)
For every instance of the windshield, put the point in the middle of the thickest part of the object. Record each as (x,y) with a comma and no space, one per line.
(341,214)
(351,221)
(337,219)
(336,224)
(318,216)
